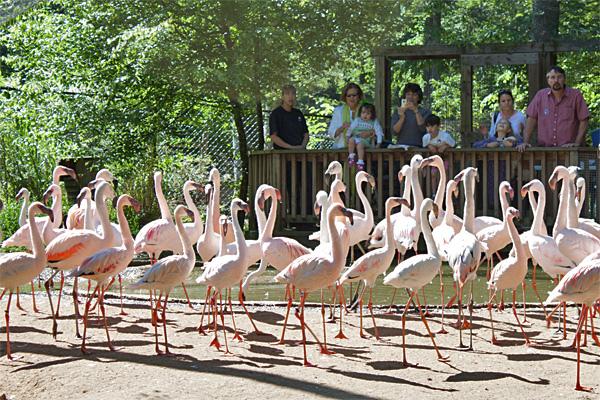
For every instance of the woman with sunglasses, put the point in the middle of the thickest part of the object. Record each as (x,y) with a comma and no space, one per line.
(344,114)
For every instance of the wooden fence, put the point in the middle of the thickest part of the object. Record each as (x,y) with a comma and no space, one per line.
(300,174)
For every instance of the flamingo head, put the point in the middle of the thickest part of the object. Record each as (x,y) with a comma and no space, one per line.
(435,209)
(580,187)
(525,189)
(214,176)
(224,223)
(84,193)
(371,181)
(505,186)
(347,213)
(573,171)
(105,175)
(49,192)
(404,172)
(127,200)
(512,212)
(61,170)
(239,205)
(416,161)
(191,185)
(39,208)
(23,193)
(334,168)
(435,161)
(393,202)
(182,211)
(560,172)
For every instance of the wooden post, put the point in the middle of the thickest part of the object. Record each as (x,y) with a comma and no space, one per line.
(466,101)
(383,98)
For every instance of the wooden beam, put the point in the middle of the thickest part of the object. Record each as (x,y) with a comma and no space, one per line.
(500,59)
(466,101)
(383,97)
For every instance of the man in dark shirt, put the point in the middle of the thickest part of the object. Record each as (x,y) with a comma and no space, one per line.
(287,125)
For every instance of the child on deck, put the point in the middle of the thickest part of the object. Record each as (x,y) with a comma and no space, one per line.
(504,137)
(435,140)
(360,134)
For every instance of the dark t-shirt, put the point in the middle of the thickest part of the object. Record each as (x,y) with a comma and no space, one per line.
(290,126)
(410,134)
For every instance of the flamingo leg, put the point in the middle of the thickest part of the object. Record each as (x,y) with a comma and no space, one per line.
(471,317)
(102,310)
(360,304)
(578,338)
(86,313)
(534,286)
(450,302)
(241,300)
(76,306)
(287,313)
(2,294)
(577,331)
(324,349)
(54,323)
(19,301)
(442,302)
(594,336)
(524,302)
(186,296)
(332,317)
(489,307)
(164,318)
(370,307)
(223,322)
(7,319)
(121,295)
(34,306)
(303,325)
(549,316)
(404,362)
(564,320)
(427,314)
(62,284)
(236,334)
(460,318)
(514,308)
(206,299)
(215,341)
(340,334)
(389,310)
(153,312)
(424,319)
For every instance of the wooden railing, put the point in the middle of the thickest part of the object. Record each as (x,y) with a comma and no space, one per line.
(300,174)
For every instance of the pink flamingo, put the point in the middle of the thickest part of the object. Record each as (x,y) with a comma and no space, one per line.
(167,273)
(370,265)
(227,271)
(215,179)
(416,272)
(107,264)
(510,272)
(315,271)
(76,213)
(464,250)
(581,285)
(17,269)
(437,162)
(71,248)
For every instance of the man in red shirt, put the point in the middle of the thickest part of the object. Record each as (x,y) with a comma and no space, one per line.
(560,113)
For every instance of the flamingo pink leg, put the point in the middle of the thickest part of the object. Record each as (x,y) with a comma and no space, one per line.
(206,300)
(7,319)
(54,323)
(578,338)
(594,336)
(527,342)
(186,296)
(164,318)
(443,303)
(424,319)
(241,300)
(524,302)
(102,310)
(62,284)
(236,334)
(324,348)
(404,362)
(303,325)
(534,286)
(340,334)
(215,341)
(34,306)
(153,317)
(370,307)
(223,323)
(287,313)
(85,321)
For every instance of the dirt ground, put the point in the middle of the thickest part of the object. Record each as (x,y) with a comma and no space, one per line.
(258,368)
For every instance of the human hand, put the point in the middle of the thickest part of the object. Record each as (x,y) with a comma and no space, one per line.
(345,125)
(411,106)
(522,147)
(367,134)
(492,144)
(401,110)
(570,145)
(507,143)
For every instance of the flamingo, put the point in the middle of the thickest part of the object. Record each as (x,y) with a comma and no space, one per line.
(215,179)
(107,264)
(588,225)
(337,187)
(208,243)
(276,251)
(76,213)
(437,162)
(17,269)
(464,250)
(581,285)
(573,242)
(370,265)
(321,203)
(22,237)
(315,271)
(496,237)
(445,230)
(414,273)
(335,169)
(226,271)
(71,248)
(167,273)
(24,195)
(510,272)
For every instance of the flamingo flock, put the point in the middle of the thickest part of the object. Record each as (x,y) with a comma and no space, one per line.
(93,248)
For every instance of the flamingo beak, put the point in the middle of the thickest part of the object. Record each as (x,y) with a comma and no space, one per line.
(524,191)
(552,181)
(189,213)
(224,227)
(47,195)
(137,207)
(115,200)
(71,172)
(436,210)
(92,184)
(261,202)
(349,214)
(48,211)
(278,195)
(511,193)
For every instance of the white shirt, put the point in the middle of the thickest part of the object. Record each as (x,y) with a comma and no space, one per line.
(442,137)
(517,123)
(336,122)
(359,124)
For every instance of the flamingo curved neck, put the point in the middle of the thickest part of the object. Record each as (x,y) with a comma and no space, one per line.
(57,207)
(504,200)
(189,202)
(538,217)
(324,230)
(107,232)
(389,230)
(216,201)
(267,232)
(406,196)
(368,211)
(124,227)
(186,245)
(240,241)
(469,210)
(560,222)
(37,245)
(165,213)
(572,215)
(417,193)
(209,225)
(87,216)
(24,208)
(426,229)
(449,215)
(439,195)
(580,203)
(516,239)
(337,251)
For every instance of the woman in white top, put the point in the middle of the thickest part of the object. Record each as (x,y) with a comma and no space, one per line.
(507,111)
(344,114)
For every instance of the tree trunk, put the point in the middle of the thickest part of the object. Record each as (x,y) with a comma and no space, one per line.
(433,35)
(545,20)
(236,109)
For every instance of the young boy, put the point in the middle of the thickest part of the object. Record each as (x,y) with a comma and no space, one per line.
(435,140)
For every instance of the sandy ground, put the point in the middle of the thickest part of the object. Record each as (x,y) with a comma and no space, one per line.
(258,368)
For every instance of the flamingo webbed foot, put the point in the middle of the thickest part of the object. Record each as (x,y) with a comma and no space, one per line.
(341,335)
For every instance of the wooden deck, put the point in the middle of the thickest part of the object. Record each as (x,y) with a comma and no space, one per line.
(300,174)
